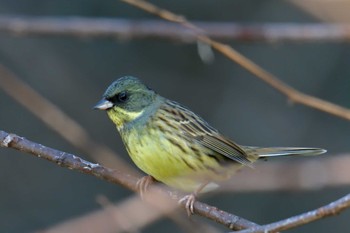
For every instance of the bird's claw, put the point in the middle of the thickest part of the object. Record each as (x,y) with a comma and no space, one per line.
(143,184)
(189,203)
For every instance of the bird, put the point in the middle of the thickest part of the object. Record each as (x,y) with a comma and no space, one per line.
(174,145)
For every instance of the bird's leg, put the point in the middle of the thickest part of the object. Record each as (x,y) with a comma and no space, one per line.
(143,184)
(191,198)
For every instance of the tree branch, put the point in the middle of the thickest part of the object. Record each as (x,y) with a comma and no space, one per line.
(159,29)
(226,50)
(331,209)
(73,162)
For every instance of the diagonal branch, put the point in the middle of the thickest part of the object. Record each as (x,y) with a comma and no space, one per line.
(58,121)
(292,94)
(331,209)
(73,162)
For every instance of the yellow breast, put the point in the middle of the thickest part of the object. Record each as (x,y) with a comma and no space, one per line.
(171,160)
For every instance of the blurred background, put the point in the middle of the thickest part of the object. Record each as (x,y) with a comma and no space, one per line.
(73,72)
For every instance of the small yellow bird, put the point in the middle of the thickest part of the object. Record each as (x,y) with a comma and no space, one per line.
(174,145)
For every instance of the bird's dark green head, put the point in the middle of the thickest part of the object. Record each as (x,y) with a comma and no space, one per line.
(126,99)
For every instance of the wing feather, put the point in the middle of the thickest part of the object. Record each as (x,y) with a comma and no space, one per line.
(195,127)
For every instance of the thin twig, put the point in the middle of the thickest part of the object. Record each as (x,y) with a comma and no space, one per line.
(292,94)
(331,209)
(140,29)
(73,162)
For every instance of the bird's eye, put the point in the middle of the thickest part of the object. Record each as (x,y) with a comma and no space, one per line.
(122,96)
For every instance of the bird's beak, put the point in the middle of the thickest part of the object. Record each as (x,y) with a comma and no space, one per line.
(103,105)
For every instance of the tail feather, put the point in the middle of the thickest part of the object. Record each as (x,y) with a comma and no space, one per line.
(283,151)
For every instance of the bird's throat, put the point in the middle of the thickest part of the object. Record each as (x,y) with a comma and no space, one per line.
(120,116)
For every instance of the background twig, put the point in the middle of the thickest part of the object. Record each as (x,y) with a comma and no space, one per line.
(141,29)
(292,94)
(57,120)
(306,174)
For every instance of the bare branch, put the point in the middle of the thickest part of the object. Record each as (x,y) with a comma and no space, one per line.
(331,209)
(73,162)
(292,94)
(140,29)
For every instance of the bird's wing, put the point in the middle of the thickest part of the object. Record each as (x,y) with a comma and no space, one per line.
(195,127)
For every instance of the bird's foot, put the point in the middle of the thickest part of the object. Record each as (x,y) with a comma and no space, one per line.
(143,184)
(189,203)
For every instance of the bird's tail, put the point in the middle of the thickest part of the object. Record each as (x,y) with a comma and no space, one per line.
(265,152)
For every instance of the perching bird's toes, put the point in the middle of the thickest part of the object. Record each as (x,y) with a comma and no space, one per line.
(189,205)
(143,184)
